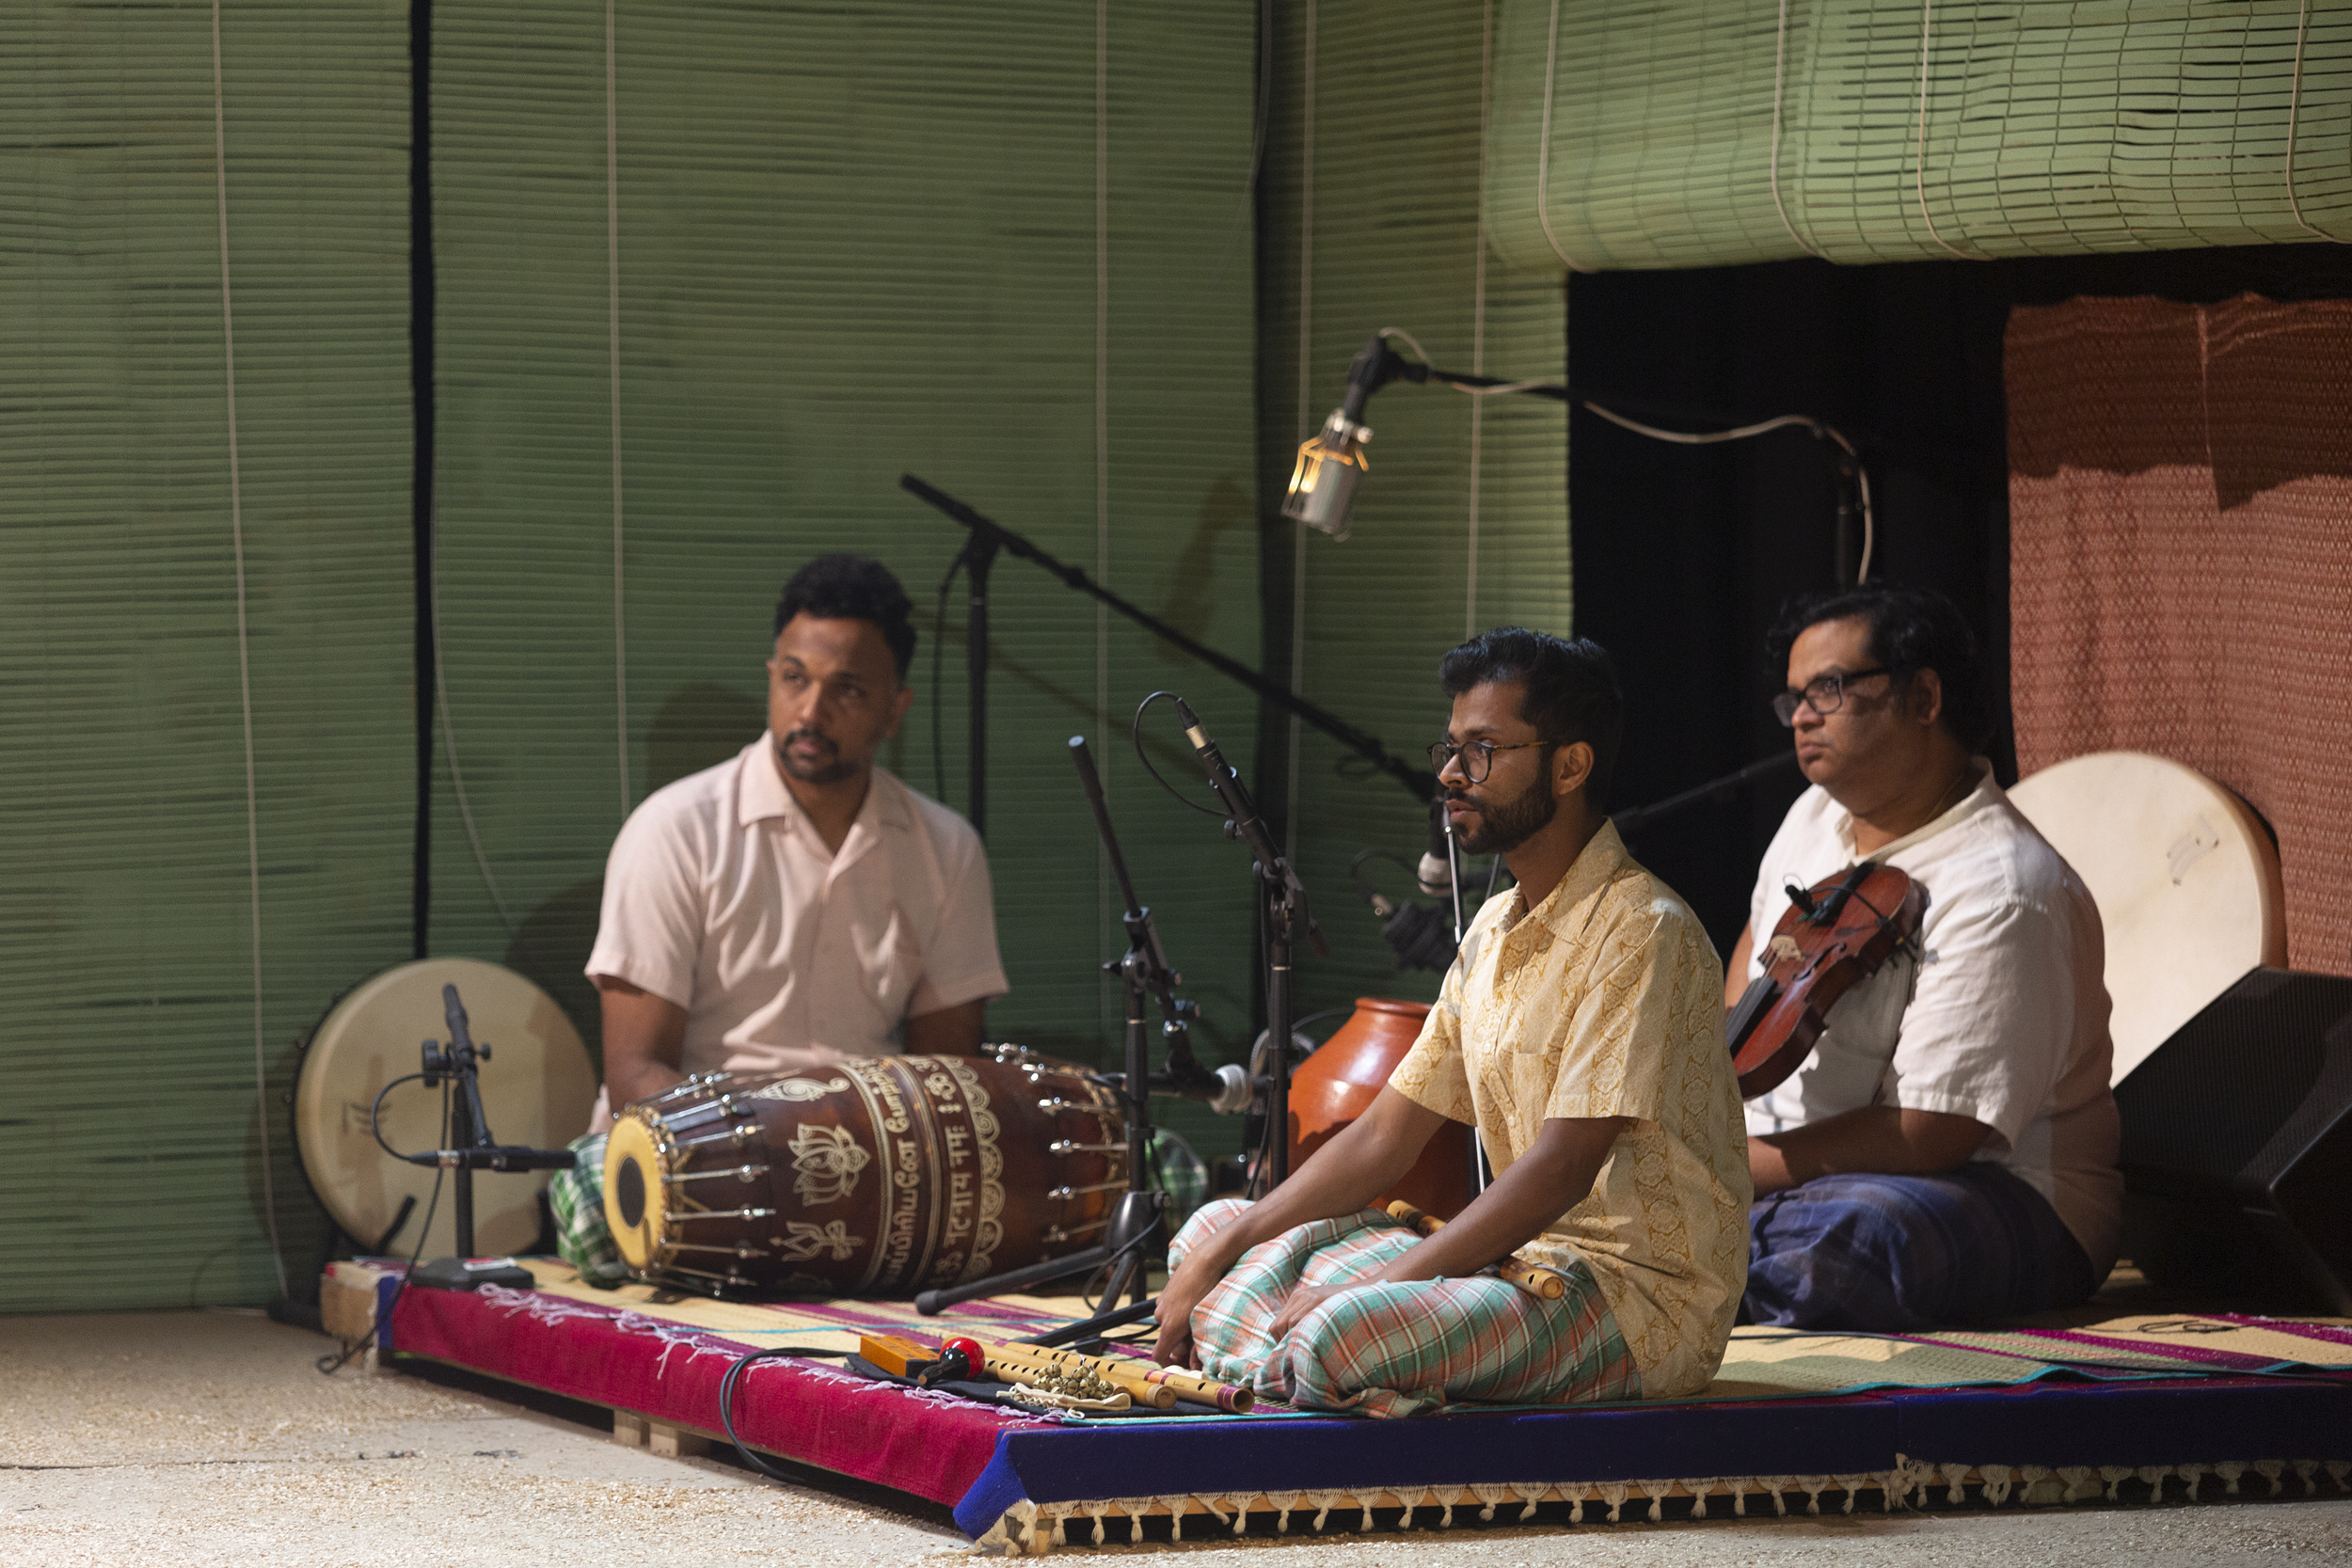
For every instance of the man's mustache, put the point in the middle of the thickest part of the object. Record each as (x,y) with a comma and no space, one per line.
(818,736)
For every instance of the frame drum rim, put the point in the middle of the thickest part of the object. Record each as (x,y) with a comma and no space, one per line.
(538,1088)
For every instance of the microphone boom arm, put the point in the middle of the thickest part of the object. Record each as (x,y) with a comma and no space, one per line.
(1419,780)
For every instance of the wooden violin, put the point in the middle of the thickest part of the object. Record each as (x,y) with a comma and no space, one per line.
(1834,936)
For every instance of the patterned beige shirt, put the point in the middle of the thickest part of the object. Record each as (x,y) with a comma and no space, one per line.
(1607,1000)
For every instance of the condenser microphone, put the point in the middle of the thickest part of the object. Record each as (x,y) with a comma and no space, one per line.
(1333,464)
(1416,934)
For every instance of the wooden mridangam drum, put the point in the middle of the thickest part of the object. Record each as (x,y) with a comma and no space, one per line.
(2185,876)
(880,1175)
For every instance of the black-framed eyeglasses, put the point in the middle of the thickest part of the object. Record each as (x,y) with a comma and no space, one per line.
(1824,695)
(1477,756)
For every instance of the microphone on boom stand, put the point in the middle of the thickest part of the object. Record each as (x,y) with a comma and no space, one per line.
(1244,825)
(1417,934)
(474,1147)
(1286,918)
(1436,871)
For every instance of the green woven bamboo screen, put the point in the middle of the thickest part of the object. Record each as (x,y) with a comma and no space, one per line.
(853,241)
(1372,220)
(131,1170)
(1914,131)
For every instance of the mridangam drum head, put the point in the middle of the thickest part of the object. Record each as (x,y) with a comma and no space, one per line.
(537,1089)
(635,1197)
(2185,876)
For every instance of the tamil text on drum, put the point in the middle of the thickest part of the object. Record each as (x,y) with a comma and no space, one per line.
(873,1176)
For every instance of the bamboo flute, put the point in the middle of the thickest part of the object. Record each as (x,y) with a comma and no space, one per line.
(1540,1283)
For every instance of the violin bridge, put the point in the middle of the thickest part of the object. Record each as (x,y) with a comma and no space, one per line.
(1782,949)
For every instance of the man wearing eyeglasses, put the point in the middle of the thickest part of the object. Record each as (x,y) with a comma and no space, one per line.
(1947,1152)
(1578,1031)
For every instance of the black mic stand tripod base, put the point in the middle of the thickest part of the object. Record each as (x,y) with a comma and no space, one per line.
(472,1149)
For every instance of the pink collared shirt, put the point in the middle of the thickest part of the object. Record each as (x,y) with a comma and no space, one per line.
(719,897)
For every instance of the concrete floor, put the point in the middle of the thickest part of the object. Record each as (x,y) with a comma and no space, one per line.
(208,1437)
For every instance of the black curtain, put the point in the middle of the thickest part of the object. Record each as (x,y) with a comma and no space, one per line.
(1684,556)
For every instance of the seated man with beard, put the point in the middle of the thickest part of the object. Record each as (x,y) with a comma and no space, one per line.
(1580,1031)
(796,904)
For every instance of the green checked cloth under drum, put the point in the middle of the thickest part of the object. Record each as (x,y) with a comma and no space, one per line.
(586,1241)
(577,1196)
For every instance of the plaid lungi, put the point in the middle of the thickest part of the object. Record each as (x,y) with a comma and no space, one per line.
(1397,1349)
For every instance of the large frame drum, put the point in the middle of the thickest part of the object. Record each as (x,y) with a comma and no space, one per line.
(876,1176)
(537,1089)
(2185,876)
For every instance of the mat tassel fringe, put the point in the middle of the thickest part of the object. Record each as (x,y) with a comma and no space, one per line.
(1033,1528)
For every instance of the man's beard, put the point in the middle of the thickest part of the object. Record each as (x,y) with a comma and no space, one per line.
(1506,825)
(832,772)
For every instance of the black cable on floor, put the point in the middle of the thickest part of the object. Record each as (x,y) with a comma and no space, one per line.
(329,1365)
(726,1401)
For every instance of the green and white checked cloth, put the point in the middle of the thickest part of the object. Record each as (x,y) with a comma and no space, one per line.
(581,1237)
(1397,1349)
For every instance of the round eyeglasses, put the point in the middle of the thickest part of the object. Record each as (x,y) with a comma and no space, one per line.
(1824,695)
(1477,756)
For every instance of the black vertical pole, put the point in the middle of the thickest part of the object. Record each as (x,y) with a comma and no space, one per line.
(464,1132)
(1279,1011)
(421,483)
(979,557)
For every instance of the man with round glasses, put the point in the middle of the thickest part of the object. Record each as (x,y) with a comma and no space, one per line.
(1947,1152)
(1579,1031)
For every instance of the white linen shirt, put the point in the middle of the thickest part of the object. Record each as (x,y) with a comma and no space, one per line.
(2003,1019)
(721,896)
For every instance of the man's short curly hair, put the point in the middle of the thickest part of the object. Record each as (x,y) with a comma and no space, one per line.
(852,587)
(1569,690)
(1911,629)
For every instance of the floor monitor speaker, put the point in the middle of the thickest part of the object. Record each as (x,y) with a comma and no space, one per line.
(2237,1147)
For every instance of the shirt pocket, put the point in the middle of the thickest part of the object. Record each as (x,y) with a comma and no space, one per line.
(1516,1083)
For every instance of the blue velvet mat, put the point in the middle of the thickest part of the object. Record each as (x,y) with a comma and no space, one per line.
(2178,1422)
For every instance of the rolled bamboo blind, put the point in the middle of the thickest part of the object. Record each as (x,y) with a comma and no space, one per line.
(132,1171)
(1695,133)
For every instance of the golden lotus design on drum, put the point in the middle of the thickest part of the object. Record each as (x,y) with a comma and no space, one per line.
(878,1177)
(825,1164)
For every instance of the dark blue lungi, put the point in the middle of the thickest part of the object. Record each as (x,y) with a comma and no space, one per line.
(1890,1254)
